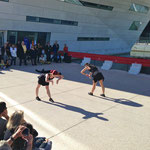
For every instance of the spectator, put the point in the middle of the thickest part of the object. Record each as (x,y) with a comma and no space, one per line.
(55,51)
(25,52)
(58,57)
(65,50)
(33,54)
(6,145)
(13,51)
(6,54)
(48,50)
(3,119)
(20,53)
(15,120)
(2,64)
(39,51)
(42,59)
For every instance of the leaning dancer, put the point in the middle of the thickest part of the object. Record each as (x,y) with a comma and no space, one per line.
(97,76)
(44,80)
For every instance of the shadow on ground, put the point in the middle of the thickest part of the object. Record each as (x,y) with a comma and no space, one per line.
(121,101)
(87,114)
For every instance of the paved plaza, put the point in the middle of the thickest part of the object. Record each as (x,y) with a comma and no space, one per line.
(77,121)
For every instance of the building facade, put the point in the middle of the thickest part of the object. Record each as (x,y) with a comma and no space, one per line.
(91,26)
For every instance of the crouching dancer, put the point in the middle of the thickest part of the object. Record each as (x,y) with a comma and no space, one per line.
(44,80)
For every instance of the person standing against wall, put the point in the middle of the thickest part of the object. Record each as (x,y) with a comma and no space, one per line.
(25,52)
(65,51)
(13,51)
(55,51)
(48,50)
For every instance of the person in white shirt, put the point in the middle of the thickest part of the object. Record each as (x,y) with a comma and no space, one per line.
(13,51)
(42,59)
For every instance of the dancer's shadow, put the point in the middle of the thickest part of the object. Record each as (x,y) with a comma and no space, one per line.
(87,114)
(121,101)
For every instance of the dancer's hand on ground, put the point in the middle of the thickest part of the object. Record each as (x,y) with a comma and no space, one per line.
(57,81)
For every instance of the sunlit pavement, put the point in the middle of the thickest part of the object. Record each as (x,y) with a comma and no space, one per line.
(77,121)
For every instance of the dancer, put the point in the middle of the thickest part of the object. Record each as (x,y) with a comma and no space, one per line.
(97,76)
(44,80)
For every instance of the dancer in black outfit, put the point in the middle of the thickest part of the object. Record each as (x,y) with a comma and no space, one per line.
(97,76)
(45,79)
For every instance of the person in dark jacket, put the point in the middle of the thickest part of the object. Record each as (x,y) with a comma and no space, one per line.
(48,51)
(3,119)
(6,54)
(55,51)
(20,53)
(39,51)
(33,55)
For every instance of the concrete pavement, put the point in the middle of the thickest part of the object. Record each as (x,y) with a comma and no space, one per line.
(77,121)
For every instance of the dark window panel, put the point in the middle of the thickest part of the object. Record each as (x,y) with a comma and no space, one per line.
(4,0)
(93,39)
(50,20)
(32,18)
(98,6)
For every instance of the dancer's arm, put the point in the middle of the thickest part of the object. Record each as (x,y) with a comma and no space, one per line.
(83,70)
(59,78)
(90,74)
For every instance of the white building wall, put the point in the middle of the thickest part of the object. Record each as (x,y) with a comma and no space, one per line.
(91,23)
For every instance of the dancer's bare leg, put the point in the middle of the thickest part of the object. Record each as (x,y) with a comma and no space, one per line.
(102,86)
(94,86)
(48,91)
(49,94)
(37,90)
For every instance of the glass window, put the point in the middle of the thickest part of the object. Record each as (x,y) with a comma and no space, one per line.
(50,20)
(139,8)
(36,37)
(93,39)
(4,0)
(88,4)
(32,18)
(72,1)
(12,37)
(57,21)
(94,5)
(46,20)
(66,22)
(135,25)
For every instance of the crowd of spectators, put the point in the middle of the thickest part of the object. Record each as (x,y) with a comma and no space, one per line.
(17,134)
(35,54)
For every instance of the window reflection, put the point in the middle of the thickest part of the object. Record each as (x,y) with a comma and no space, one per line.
(135,25)
(139,8)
